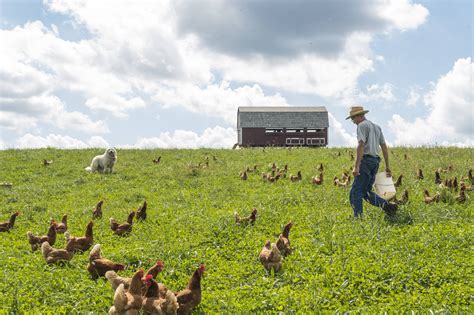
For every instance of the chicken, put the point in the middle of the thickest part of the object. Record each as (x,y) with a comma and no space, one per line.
(81,244)
(128,302)
(404,199)
(190,297)
(455,184)
(469,176)
(158,299)
(47,162)
(98,265)
(124,228)
(245,220)
(419,174)
(157,160)
(36,241)
(60,227)
(344,177)
(437,178)
(55,256)
(320,167)
(270,257)
(398,183)
(429,199)
(405,156)
(97,211)
(283,242)
(243,175)
(141,211)
(341,183)
(317,180)
(6,184)
(461,198)
(8,225)
(115,280)
(463,186)
(295,178)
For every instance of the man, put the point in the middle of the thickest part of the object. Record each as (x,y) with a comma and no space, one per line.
(369,137)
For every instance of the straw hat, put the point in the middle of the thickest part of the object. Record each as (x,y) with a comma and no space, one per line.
(357,110)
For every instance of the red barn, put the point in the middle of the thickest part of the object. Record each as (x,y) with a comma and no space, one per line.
(282,126)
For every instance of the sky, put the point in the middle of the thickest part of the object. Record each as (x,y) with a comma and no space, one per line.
(171,74)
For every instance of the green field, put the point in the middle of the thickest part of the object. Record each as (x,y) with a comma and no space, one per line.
(420,260)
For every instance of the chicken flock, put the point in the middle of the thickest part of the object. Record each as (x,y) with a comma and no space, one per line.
(143,293)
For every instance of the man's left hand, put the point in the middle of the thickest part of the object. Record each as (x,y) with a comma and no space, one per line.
(388,172)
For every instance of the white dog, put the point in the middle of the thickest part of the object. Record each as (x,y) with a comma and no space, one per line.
(103,163)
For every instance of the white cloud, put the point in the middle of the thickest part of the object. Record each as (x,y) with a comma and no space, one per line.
(217,137)
(338,136)
(451,116)
(414,97)
(377,92)
(216,100)
(29,141)
(402,14)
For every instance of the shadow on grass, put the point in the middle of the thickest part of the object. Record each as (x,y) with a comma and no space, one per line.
(400,218)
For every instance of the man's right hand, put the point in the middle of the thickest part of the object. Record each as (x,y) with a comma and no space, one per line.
(355,171)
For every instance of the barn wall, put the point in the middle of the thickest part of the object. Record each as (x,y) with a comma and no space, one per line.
(258,137)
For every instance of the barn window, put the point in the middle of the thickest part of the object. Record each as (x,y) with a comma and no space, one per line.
(273,130)
(294,141)
(311,130)
(315,141)
(294,130)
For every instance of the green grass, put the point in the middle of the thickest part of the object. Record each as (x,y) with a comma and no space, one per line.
(420,260)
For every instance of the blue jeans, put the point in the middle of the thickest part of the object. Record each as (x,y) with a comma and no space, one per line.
(362,186)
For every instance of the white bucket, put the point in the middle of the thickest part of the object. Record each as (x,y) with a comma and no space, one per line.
(384,186)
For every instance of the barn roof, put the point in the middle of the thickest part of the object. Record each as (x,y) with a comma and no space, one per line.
(282,117)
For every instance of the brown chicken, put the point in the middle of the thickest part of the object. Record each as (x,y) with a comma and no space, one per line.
(98,265)
(243,175)
(317,180)
(124,228)
(283,242)
(341,183)
(141,211)
(398,183)
(55,256)
(404,199)
(60,227)
(461,198)
(320,167)
(419,174)
(128,302)
(115,280)
(437,178)
(295,178)
(190,297)
(245,220)
(270,257)
(36,241)
(97,211)
(81,244)
(429,199)
(157,160)
(47,162)
(158,299)
(8,225)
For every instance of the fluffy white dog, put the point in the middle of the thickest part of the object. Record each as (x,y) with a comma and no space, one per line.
(103,163)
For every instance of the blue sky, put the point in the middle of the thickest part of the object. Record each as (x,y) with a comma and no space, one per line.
(76,74)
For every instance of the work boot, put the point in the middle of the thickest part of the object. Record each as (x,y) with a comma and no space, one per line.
(390,208)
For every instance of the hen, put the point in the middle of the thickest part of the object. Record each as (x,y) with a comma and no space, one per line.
(8,225)
(419,174)
(243,175)
(429,199)
(320,167)
(124,228)
(98,265)
(295,178)
(157,160)
(158,299)
(97,211)
(398,183)
(190,297)
(245,220)
(141,211)
(461,198)
(317,180)
(60,227)
(270,257)
(283,242)
(437,178)
(115,280)
(36,241)
(83,243)
(54,256)
(128,302)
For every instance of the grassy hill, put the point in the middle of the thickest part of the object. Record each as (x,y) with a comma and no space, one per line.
(419,260)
